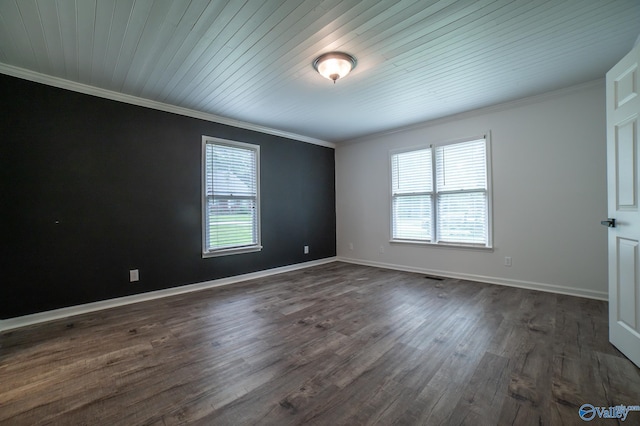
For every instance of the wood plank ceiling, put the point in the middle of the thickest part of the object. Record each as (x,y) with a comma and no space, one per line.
(251,60)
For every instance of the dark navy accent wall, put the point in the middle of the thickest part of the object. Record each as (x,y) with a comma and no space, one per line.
(92,188)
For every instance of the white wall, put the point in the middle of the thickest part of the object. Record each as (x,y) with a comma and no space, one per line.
(549,195)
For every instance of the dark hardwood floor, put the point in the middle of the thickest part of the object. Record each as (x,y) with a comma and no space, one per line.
(330,345)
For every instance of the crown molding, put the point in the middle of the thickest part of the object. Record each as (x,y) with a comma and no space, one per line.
(480,111)
(148,103)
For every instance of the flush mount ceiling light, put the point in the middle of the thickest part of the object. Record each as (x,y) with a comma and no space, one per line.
(334,65)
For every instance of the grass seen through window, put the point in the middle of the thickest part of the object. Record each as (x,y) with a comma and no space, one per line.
(231,230)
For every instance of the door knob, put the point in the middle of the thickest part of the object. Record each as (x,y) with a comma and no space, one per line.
(611,223)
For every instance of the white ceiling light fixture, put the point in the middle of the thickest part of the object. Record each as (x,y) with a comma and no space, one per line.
(334,65)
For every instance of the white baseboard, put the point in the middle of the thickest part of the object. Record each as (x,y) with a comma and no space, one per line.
(23,321)
(550,288)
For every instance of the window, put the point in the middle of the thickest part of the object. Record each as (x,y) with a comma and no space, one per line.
(231,197)
(440,194)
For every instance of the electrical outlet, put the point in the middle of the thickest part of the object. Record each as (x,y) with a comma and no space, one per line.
(350,246)
(134,275)
(381,248)
(507,261)
(306,249)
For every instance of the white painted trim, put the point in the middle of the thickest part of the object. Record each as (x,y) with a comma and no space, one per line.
(529,285)
(435,193)
(257,245)
(477,112)
(148,103)
(23,321)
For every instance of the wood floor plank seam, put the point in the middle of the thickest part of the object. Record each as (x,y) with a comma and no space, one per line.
(332,344)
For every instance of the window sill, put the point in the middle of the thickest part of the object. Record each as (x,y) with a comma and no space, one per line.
(444,245)
(230,251)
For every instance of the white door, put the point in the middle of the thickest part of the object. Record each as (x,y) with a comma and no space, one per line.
(623,177)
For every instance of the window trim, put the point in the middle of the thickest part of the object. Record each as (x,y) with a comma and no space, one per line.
(434,194)
(203,194)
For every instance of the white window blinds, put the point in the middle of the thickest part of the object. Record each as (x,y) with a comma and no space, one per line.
(412,199)
(231,198)
(455,209)
(462,192)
